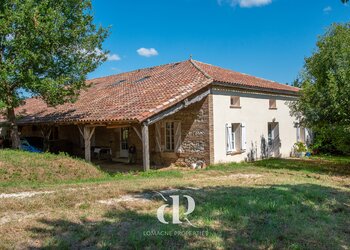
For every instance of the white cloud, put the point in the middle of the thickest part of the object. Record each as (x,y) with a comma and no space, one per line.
(110,57)
(327,9)
(113,57)
(246,3)
(147,52)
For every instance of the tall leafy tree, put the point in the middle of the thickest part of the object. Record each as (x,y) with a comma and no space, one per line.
(325,95)
(47,47)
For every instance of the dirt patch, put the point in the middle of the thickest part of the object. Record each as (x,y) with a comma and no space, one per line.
(145,197)
(234,176)
(128,198)
(18,217)
(23,195)
(29,194)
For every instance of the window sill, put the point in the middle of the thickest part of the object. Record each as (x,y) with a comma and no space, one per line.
(235,152)
(235,107)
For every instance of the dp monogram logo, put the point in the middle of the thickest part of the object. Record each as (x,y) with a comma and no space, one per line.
(176,209)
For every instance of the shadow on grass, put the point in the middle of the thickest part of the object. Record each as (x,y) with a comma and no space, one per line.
(280,216)
(317,165)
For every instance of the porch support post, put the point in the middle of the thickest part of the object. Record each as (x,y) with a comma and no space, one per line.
(88,132)
(145,147)
(46,132)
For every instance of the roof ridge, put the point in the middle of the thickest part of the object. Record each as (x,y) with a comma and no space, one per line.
(246,74)
(135,70)
(200,69)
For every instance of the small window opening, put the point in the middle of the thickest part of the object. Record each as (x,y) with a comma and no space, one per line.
(272,104)
(235,102)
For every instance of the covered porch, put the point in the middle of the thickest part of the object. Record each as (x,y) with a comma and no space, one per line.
(106,145)
(178,135)
(121,143)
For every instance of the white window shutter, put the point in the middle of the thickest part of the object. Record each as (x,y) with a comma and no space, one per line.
(243,137)
(177,128)
(298,134)
(229,138)
(158,137)
(276,132)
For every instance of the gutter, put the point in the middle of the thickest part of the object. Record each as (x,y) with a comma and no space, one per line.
(251,88)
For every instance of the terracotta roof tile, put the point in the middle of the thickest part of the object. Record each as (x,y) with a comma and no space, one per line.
(139,94)
(236,78)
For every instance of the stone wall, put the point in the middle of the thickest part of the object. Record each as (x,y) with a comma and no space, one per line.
(195,137)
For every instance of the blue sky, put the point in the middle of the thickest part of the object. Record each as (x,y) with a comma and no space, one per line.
(265,38)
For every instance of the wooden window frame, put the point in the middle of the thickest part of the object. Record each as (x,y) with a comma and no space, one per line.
(172,137)
(235,102)
(272,104)
(238,138)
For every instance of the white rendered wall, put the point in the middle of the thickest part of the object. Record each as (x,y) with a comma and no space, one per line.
(255,113)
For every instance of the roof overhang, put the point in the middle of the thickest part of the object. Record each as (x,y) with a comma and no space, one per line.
(256,89)
(200,95)
(105,123)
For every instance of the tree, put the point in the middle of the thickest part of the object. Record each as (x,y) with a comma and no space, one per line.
(47,47)
(325,95)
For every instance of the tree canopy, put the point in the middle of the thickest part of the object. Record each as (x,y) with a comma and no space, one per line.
(325,96)
(47,48)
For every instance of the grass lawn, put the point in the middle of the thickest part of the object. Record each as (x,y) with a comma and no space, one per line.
(19,168)
(270,204)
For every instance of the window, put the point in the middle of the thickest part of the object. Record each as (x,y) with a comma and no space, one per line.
(124,138)
(272,104)
(172,136)
(300,134)
(304,135)
(169,136)
(235,138)
(269,133)
(235,102)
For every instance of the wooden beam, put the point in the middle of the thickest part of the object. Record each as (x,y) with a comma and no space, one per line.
(115,126)
(145,147)
(96,125)
(88,132)
(81,130)
(137,132)
(184,104)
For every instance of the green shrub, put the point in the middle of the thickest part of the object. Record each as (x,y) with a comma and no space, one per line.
(332,140)
(300,147)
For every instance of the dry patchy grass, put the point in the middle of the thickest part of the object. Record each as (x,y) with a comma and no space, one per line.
(271,204)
